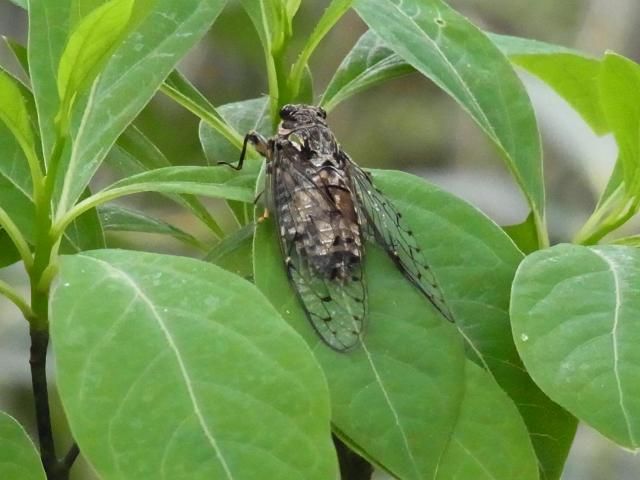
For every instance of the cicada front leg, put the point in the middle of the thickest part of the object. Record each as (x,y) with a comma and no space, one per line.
(261,144)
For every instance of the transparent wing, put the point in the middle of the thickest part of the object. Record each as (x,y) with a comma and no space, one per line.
(337,308)
(385,225)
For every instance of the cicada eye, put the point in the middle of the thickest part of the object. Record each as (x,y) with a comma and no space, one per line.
(322,113)
(287,111)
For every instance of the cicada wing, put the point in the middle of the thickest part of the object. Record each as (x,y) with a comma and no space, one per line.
(386,226)
(337,309)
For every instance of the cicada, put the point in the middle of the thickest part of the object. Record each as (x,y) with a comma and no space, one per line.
(326,209)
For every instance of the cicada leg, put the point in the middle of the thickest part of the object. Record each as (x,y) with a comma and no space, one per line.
(260,143)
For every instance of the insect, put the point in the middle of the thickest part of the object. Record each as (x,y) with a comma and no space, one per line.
(326,208)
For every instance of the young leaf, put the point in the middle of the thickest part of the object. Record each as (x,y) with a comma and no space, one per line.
(88,48)
(129,79)
(19,458)
(461,60)
(574,314)
(115,218)
(368,63)
(475,262)
(207,360)
(15,116)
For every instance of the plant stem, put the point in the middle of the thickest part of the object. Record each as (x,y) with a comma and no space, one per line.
(71,456)
(38,363)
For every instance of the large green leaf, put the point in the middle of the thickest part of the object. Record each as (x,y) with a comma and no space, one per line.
(18,456)
(214,384)
(574,311)
(460,59)
(129,79)
(475,263)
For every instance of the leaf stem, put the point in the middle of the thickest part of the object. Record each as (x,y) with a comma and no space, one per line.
(16,237)
(8,291)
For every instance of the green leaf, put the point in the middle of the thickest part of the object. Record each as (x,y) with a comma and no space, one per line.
(18,456)
(523,234)
(14,113)
(19,52)
(271,20)
(207,361)
(630,241)
(135,153)
(20,3)
(15,183)
(571,73)
(115,218)
(461,60)
(181,85)
(90,44)
(243,116)
(209,181)
(48,29)
(129,79)
(85,233)
(475,262)
(8,252)
(574,313)
(369,63)
(490,440)
(235,252)
(619,90)
(216,182)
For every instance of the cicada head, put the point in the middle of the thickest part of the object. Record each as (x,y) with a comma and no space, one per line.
(295,116)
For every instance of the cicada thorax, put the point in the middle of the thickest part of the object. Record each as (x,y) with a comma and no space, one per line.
(319,216)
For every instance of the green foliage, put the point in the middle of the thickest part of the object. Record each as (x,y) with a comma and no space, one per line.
(18,456)
(216,377)
(169,366)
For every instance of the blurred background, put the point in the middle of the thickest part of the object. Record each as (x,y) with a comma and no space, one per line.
(406,124)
